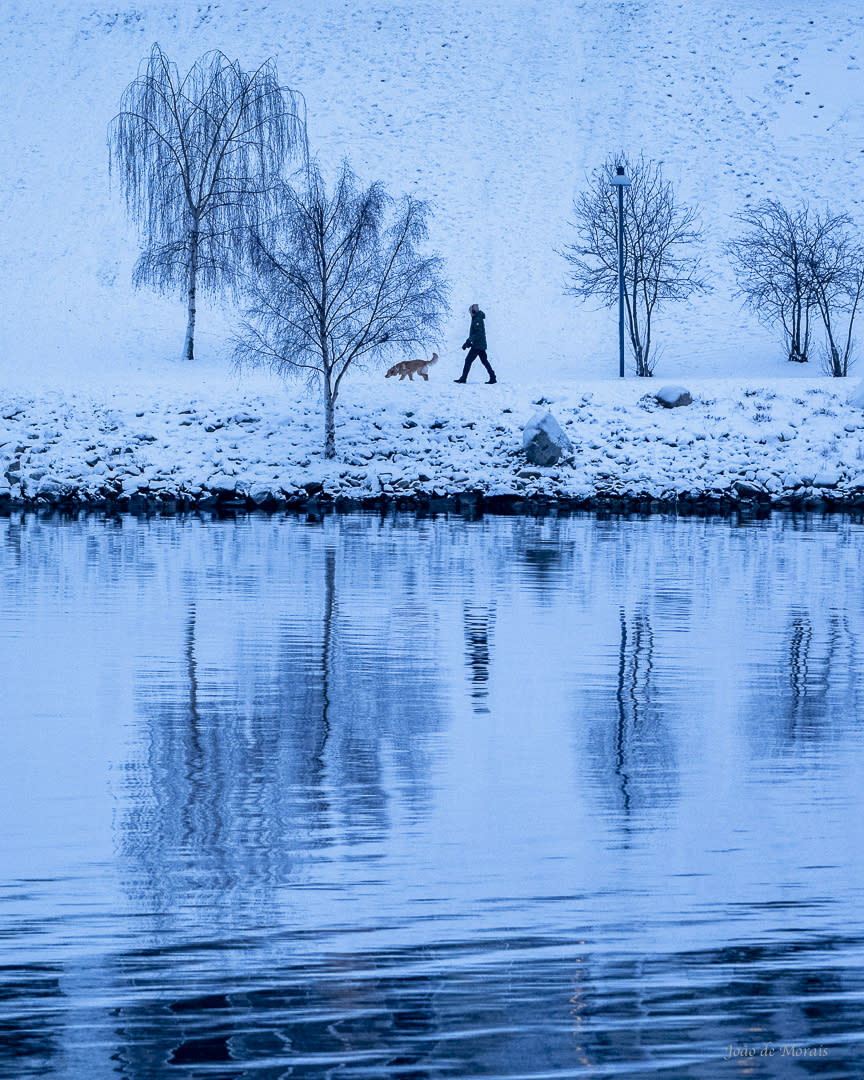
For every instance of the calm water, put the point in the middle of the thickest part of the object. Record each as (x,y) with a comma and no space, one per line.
(420,799)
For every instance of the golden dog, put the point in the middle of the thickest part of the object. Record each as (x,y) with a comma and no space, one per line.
(410,367)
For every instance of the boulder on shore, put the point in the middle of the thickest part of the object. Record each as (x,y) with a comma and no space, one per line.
(670,397)
(51,490)
(543,440)
(222,484)
(828,478)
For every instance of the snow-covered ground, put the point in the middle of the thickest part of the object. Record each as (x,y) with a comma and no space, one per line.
(777,440)
(494,113)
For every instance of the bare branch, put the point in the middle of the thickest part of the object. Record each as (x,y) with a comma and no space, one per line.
(793,262)
(341,280)
(657,233)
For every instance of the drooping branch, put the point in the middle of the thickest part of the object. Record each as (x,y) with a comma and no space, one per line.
(199,158)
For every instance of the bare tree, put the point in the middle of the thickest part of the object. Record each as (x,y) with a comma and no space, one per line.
(792,263)
(772,263)
(657,233)
(196,157)
(341,280)
(837,276)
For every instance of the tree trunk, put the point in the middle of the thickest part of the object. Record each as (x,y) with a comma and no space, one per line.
(833,351)
(795,334)
(329,421)
(189,347)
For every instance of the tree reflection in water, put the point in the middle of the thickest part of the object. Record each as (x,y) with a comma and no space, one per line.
(810,689)
(325,865)
(632,745)
(246,771)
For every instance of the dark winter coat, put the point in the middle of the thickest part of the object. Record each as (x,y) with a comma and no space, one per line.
(477,333)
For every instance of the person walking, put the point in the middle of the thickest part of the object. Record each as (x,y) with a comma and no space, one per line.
(476,344)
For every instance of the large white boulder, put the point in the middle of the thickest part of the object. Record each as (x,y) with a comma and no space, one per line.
(670,397)
(543,440)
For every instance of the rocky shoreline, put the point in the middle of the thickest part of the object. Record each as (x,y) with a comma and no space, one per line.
(793,445)
(469,503)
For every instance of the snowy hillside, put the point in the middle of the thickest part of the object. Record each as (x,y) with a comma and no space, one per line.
(493,112)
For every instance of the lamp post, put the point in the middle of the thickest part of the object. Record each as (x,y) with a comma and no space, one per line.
(620,180)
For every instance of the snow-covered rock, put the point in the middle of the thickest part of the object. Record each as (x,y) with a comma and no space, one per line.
(827,478)
(50,489)
(544,441)
(261,494)
(671,397)
(222,484)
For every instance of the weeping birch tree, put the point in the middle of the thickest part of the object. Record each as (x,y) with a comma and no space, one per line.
(198,158)
(659,237)
(341,280)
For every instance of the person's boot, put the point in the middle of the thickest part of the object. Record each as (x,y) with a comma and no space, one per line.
(460,380)
(492,381)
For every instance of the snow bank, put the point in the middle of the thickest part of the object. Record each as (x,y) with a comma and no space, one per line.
(260,444)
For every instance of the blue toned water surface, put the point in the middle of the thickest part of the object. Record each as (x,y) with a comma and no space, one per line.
(431,798)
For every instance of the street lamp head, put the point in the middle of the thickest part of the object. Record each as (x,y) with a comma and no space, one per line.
(620,179)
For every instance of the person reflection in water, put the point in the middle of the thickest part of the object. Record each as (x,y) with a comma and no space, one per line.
(477,654)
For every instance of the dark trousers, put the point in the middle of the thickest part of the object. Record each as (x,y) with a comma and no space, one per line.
(469,360)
